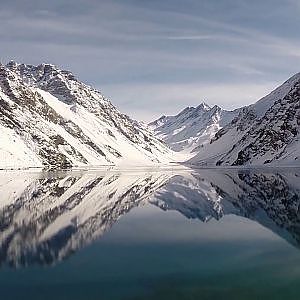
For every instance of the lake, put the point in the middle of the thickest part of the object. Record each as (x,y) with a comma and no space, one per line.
(172,233)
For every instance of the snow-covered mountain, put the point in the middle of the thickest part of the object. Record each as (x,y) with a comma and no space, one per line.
(49,118)
(193,127)
(266,132)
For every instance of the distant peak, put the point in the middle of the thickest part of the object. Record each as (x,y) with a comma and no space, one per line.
(203,106)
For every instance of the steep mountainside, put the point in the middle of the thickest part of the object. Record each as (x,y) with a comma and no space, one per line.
(263,133)
(193,127)
(49,118)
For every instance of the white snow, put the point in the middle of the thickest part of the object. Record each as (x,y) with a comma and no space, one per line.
(82,125)
(192,128)
(238,136)
(14,153)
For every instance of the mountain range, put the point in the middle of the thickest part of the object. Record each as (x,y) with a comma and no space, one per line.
(50,119)
(193,127)
(266,132)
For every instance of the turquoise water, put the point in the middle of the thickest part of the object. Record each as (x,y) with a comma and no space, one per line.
(193,235)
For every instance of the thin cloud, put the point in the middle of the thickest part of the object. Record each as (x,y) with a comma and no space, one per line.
(153,58)
(228,96)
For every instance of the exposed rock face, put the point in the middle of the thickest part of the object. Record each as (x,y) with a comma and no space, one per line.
(266,132)
(49,118)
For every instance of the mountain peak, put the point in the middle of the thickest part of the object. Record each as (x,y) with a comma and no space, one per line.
(192,127)
(203,106)
(37,72)
(58,121)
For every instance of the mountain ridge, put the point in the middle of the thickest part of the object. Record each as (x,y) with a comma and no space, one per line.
(58,121)
(193,127)
(266,132)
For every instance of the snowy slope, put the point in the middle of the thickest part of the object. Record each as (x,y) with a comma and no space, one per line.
(266,132)
(192,128)
(49,118)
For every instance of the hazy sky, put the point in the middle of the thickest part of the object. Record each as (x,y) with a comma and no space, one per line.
(153,57)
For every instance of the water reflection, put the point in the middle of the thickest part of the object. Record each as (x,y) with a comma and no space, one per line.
(44,218)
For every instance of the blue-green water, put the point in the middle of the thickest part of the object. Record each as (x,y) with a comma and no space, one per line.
(151,235)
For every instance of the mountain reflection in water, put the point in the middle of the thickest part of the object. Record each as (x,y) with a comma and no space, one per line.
(46,217)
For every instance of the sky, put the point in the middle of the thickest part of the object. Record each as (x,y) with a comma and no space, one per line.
(154,57)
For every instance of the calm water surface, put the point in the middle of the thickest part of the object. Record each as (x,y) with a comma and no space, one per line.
(150,234)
